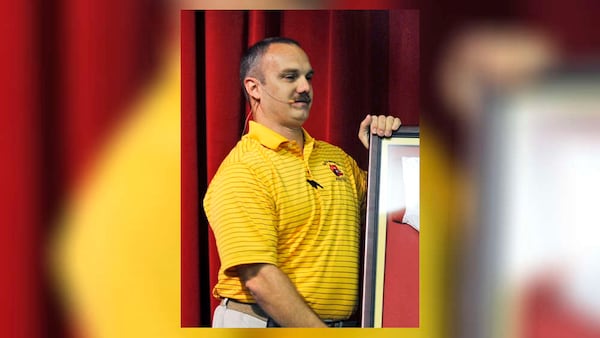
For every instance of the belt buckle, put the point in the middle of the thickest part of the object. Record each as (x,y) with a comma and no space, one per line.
(341,323)
(334,323)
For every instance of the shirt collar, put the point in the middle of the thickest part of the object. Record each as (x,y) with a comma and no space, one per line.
(270,138)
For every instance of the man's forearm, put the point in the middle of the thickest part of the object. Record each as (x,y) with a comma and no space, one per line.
(277,296)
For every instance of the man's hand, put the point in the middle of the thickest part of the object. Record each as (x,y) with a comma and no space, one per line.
(380,125)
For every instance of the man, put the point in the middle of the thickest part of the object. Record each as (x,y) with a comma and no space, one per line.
(285,208)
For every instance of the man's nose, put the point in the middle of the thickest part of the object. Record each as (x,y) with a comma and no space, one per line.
(303,85)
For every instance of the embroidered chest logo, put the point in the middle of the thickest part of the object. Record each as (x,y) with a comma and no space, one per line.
(335,170)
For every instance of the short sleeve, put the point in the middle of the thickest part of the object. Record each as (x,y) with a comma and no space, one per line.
(242,214)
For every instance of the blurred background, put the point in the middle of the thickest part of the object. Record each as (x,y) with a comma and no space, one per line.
(92,141)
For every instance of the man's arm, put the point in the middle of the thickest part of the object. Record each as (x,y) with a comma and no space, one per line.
(276,295)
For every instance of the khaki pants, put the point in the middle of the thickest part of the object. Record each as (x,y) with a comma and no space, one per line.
(228,318)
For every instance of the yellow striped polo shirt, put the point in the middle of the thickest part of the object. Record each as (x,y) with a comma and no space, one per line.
(262,209)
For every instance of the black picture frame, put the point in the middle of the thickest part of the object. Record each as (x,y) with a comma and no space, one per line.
(374,258)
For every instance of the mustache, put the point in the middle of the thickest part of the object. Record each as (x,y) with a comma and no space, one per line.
(303,97)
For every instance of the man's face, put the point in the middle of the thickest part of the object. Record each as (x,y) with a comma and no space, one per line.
(286,93)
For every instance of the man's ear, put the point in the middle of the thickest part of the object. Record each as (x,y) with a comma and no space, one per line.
(251,85)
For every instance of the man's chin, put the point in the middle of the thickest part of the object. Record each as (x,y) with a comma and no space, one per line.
(301,115)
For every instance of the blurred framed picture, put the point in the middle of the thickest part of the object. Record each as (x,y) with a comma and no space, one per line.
(391,260)
(537,258)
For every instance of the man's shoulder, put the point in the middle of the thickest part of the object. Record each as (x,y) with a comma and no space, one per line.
(323,147)
(246,154)
(246,150)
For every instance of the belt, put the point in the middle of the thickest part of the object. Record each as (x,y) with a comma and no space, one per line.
(256,311)
(341,323)
(250,309)
(328,322)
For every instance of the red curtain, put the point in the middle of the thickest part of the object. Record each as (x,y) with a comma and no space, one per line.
(19,207)
(364,62)
(66,77)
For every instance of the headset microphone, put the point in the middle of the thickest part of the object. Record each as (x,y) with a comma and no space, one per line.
(290,101)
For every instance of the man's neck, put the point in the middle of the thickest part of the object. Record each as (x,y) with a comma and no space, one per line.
(295,134)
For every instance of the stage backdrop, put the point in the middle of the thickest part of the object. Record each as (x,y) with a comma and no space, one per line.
(365,62)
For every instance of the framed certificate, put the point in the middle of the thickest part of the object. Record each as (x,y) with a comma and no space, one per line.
(391,261)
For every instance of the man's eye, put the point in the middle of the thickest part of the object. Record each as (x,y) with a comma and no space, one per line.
(289,77)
